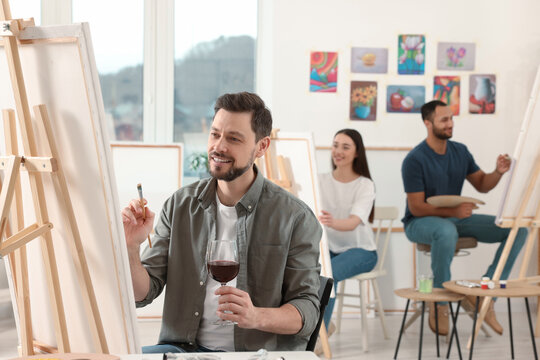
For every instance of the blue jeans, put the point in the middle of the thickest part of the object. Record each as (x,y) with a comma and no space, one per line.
(169,348)
(345,265)
(442,234)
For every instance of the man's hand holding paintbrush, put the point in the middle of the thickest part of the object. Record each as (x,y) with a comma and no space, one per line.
(138,222)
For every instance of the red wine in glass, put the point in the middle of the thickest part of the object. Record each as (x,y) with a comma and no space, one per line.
(223,271)
(223,265)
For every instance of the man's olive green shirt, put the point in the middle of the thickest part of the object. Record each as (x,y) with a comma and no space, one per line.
(278,244)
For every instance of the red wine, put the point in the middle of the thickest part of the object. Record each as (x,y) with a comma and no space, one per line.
(223,271)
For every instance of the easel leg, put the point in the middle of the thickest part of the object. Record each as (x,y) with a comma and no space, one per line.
(30,149)
(77,250)
(18,259)
(324,341)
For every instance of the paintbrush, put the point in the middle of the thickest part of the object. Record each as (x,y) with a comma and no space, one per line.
(139,189)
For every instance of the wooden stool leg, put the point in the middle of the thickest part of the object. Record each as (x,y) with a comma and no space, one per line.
(530,327)
(380,307)
(401,330)
(340,298)
(510,326)
(421,330)
(364,316)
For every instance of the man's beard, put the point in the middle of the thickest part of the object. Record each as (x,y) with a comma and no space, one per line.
(234,172)
(440,134)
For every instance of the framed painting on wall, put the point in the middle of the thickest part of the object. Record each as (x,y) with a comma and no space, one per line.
(411,54)
(369,60)
(456,56)
(405,98)
(323,71)
(482,94)
(446,89)
(363,105)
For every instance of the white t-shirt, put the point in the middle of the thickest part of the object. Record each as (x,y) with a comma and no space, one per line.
(342,200)
(216,337)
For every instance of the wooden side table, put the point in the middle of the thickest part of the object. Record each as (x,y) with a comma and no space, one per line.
(513,289)
(438,295)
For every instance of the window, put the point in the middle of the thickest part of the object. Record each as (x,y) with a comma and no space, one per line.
(26,9)
(118,49)
(214,54)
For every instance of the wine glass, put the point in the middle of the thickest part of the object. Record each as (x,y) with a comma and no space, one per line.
(223,265)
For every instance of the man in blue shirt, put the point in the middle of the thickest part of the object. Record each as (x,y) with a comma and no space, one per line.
(439,166)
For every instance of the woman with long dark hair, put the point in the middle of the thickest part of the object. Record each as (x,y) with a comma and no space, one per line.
(348,197)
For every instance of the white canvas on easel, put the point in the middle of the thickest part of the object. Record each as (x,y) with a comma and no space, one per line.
(158,168)
(526,153)
(59,70)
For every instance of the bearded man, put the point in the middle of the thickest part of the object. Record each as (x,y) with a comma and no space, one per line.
(274,299)
(439,166)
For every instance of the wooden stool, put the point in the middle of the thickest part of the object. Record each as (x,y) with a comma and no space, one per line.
(513,289)
(438,295)
(463,243)
(462,246)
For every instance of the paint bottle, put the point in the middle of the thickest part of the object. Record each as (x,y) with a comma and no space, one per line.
(502,284)
(484,283)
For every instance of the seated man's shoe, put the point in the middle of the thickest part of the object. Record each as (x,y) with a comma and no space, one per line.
(442,317)
(490,318)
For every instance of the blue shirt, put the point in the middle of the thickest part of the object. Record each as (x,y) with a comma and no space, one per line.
(434,174)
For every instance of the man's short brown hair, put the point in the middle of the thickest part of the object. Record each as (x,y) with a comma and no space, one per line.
(428,109)
(261,118)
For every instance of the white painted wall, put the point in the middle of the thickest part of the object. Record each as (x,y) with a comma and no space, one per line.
(507,38)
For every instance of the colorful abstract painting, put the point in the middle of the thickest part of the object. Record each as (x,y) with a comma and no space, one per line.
(405,98)
(369,60)
(456,56)
(323,76)
(411,54)
(482,89)
(363,105)
(446,89)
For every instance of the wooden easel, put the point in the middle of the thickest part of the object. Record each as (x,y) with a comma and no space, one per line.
(282,179)
(35,164)
(519,221)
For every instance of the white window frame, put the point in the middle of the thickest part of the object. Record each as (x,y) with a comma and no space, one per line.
(158,61)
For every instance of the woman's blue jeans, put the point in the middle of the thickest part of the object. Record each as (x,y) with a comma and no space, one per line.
(443,233)
(345,265)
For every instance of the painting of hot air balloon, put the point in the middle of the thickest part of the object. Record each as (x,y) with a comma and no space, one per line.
(323,71)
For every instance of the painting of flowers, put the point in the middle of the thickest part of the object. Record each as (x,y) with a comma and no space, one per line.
(456,56)
(363,100)
(482,94)
(369,60)
(323,76)
(405,98)
(446,89)
(411,54)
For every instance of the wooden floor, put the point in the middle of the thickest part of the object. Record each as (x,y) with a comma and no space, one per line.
(347,345)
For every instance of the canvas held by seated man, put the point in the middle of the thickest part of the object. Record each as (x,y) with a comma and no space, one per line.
(439,166)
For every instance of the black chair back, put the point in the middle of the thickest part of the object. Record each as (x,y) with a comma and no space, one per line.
(324,295)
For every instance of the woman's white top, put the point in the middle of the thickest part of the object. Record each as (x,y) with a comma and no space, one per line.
(343,200)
